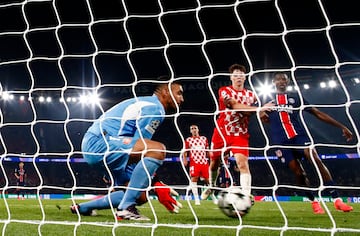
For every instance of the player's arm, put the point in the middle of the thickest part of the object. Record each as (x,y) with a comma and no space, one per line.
(186,152)
(16,174)
(185,155)
(328,119)
(233,104)
(209,153)
(150,120)
(264,114)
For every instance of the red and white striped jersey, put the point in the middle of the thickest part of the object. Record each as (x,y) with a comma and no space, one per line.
(234,122)
(198,147)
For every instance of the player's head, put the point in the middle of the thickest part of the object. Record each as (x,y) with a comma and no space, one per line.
(281,81)
(237,74)
(169,98)
(21,164)
(194,130)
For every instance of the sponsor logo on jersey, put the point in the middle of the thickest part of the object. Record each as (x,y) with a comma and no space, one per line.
(285,108)
(153,126)
(291,100)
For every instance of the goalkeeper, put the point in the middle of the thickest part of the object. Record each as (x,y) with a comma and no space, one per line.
(286,129)
(121,138)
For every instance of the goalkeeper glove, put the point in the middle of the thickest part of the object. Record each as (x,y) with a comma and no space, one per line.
(164,194)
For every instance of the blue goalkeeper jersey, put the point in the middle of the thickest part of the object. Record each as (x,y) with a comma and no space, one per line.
(135,117)
(284,119)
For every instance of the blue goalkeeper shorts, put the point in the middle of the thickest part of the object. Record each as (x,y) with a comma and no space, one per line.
(114,151)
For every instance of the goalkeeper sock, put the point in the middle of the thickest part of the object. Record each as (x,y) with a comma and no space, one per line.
(194,190)
(245,182)
(102,203)
(139,180)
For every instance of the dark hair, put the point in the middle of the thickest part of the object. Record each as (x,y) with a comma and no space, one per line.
(237,67)
(279,73)
(164,82)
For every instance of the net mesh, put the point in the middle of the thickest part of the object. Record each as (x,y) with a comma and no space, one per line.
(57,58)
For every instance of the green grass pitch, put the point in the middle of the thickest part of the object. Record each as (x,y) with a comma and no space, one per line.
(25,217)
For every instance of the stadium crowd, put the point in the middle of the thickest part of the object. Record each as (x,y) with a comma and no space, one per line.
(57,174)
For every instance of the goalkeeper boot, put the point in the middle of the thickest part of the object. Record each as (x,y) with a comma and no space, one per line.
(317,209)
(341,206)
(76,207)
(130,213)
(205,194)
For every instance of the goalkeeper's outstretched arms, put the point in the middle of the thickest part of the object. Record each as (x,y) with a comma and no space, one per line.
(165,195)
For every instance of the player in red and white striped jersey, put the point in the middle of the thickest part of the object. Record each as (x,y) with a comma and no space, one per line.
(197,149)
(236,104)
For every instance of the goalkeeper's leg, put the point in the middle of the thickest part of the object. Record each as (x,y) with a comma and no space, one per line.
(141,176)
(88,208)
(139,180)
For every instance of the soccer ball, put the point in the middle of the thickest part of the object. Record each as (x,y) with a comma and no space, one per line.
(234,202)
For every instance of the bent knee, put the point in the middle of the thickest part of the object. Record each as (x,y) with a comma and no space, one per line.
(157,151)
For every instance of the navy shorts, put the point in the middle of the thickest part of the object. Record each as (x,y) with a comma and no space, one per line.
(296,151)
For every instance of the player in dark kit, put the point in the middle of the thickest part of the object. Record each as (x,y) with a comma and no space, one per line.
(286,129)
(20,174)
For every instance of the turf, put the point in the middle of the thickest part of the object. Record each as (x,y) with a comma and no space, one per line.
(25,217)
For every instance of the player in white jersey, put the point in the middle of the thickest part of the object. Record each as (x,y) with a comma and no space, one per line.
(197,149)
(121,140)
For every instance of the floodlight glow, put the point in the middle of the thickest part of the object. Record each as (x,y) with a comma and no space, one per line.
(83,99)
(73,99)
(306,86)
(41,99)
(357,80)
(61,100)
(289,88)
(322,85)
(264,89)
(48,99)
(332,84)
(91,98)
(7,96)
(22,98)
(68,99)
(94,98)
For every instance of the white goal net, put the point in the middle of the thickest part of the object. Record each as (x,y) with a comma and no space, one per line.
(63,63)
